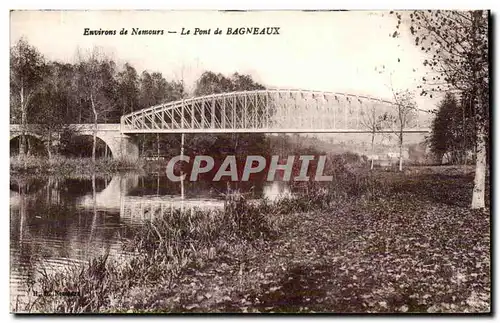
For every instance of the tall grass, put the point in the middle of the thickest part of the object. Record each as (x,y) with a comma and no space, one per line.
(66,166)
(160,250)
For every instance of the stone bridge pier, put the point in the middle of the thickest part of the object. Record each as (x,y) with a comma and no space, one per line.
(122,146)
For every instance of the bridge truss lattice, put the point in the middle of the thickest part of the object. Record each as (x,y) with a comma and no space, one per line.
(267,111)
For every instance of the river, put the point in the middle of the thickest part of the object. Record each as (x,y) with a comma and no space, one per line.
(56,221)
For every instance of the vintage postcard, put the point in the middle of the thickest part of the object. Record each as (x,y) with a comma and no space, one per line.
(250,161)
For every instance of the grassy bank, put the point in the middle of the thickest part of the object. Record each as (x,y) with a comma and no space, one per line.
(370,242)
(60,165)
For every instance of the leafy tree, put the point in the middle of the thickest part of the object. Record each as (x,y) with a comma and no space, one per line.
(62,77)
(406,112)
(451,131)
(154,90)
(27,69)
(211,83)
(52,102)
(441,136)
(456,43)
(146,91)
(128,89)
(242,82)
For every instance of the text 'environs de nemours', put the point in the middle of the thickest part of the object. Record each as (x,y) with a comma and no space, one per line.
(184,31)
(123,31)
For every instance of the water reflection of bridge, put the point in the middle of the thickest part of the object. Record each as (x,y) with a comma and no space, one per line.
(115,197)
(153,206)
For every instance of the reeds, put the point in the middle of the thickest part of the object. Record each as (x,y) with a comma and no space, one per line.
(160,250)
(66,166)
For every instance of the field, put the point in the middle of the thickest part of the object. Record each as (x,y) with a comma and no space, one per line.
(377,241)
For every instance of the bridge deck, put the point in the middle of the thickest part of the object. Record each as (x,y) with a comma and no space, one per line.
(126,130)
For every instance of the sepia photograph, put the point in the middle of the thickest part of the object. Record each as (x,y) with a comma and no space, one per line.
(259,161)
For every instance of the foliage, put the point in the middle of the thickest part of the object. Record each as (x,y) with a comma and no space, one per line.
(211,83)
(128,91)
(54,94)
(96,90)
(456,44)
(452,131)
(161,250)
(27,70)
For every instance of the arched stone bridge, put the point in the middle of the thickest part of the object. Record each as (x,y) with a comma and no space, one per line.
(122,146)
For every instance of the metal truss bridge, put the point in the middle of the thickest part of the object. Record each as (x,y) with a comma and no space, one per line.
(267,111)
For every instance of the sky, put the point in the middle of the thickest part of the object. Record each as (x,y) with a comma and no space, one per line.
(323,51)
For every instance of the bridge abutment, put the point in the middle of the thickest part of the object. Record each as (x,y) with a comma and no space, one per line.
(129,150)
(122,146)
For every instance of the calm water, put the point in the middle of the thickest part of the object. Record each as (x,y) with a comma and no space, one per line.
(58,221)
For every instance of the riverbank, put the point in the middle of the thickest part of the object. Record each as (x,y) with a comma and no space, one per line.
(65,166)
(371,242)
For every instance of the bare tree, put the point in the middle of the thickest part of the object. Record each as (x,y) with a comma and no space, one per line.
(94,79)
(370,120)
(405,111)
(27,68)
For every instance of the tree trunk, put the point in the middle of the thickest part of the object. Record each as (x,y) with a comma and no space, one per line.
(143,139)
(401,151)
(94,143)
(373,146)
(182,173)
(22,145)
(94,208)
(49,141)
(464,143)
(480,177)
(480,118)
(28,144)
(158,145)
